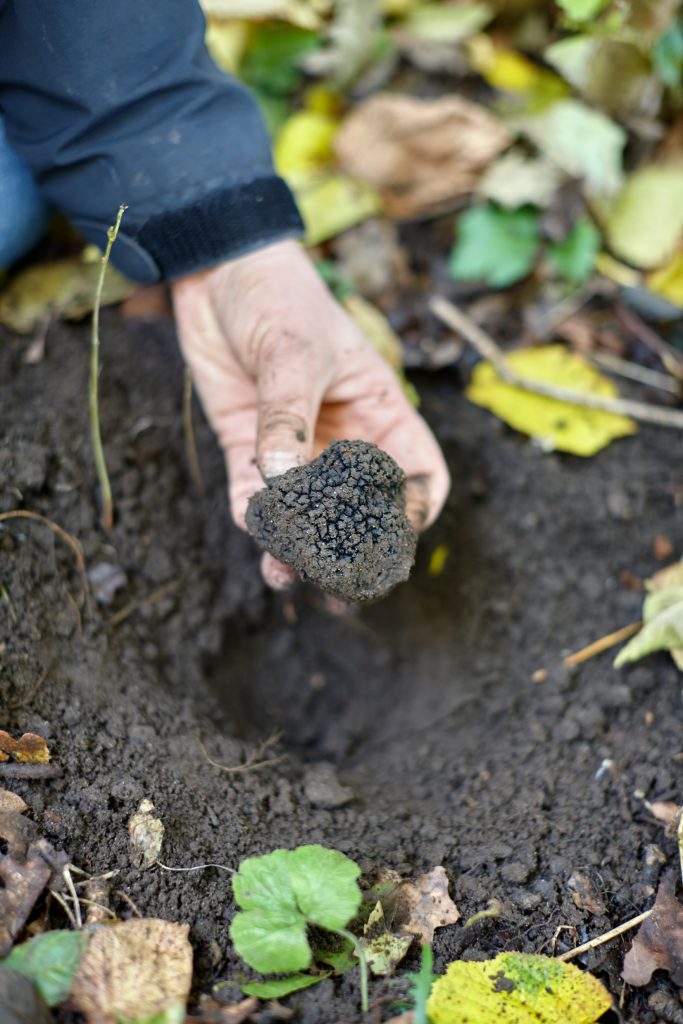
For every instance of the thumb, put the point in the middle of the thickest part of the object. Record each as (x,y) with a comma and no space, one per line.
(289,391)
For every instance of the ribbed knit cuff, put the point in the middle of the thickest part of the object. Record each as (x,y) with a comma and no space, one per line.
(220,226)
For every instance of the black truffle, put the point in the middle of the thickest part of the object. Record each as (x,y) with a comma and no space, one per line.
(339,521)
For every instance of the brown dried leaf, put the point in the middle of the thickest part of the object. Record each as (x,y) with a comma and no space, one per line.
(583,895)
(11,802)
(134,970)
(419,154)
(28,749)
(20,886)
(421,906)
(658,944)
(146,835)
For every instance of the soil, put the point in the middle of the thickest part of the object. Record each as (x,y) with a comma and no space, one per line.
(339,521)
(413,730)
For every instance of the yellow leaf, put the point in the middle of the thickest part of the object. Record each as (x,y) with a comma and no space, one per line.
(644,223)
(438,559)
(518,988)
(381,334)
(509,71)
(331,203)
(668,280)
(555,425)
(226,41)
(303,13)
(304,143)
(627,277)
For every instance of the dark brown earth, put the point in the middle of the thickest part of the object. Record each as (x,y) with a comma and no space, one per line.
(423,704)
(339,521)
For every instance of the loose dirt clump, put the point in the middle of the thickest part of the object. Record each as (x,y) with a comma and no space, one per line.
(339,521)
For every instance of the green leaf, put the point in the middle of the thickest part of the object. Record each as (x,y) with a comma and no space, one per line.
(519,988)
(515,180)
(270,63)
(583,142)
(421,986)
(280,894)
(662,618)
(644,223)
(667,57)
(575,255)
(498,246)
(581,10)
(276,988)
(50,961)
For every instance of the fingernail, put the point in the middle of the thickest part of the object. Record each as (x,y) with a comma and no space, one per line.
(275,463)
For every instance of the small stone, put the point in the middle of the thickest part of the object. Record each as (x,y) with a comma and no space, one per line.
(322,787)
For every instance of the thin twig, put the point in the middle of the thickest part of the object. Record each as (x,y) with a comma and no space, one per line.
(96,434)
(488,349)
(672,359)
(190,442)
(632,371)
(69,882)
(58,530)
(156,595)
(607,937)
(126,898)
(196,867)
(603,644)
(252,763)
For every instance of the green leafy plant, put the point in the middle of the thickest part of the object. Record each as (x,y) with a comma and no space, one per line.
(574,256)
(421,986)
(495,245)
(284,892)
(50,961)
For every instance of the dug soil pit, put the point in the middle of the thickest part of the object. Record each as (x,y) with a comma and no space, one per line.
(416,731)
(339,521)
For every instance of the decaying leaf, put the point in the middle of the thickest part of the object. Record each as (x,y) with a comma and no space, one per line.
(21,883)
(376,328)
(583,142)
(28,749)
(304,13)
(515,179)
(134,970)
(383,948)
(556,425)
(658,944)
(20,1002)
(662,619)
(64,288)
(644,224)
(519,988)
(419,154)
(422,905)
(584,895)
(11,802)
(146,834)
(50,961)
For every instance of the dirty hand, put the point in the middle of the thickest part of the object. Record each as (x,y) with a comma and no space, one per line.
(282,370)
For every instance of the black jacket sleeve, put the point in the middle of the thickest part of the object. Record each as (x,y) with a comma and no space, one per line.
(118,101)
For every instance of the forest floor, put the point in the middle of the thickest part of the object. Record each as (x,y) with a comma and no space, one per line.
(413,732)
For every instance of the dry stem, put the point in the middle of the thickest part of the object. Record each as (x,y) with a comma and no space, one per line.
(252,763)
(601,939)
(96,435)
(488,349)
(603,644)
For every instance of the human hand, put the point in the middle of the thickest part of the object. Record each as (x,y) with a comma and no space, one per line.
(282,370)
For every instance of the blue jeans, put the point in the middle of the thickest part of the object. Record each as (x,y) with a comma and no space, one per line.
(24,213)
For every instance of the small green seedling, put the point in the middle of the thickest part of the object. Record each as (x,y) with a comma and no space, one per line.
(281,894)
(421,986)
